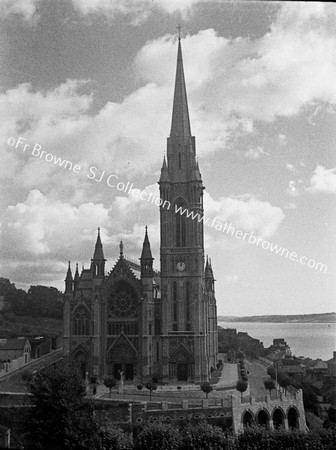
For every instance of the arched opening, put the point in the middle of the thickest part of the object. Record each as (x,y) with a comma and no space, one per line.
(80,360)
(180,224)
(278,419)
(293,418)
(81,321)
(263,419)
(181,365)
(248,419)
(122,358)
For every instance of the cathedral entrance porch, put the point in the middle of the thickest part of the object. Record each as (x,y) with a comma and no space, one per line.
(126,368)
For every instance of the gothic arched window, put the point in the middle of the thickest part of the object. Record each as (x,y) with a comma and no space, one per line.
(81,321)
(180,224)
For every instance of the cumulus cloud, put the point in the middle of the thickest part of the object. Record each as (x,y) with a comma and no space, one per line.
(25,8)
(323,180)
(246,213)
(41,230)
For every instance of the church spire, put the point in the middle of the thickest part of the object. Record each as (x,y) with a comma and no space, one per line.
(98,252)
(98,260)
(180,126)
(146,258)
(76,278)
(68,280)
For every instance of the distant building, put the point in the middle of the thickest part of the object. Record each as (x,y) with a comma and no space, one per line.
(40,346)
(332,366)
(14,353)
(229,340)
(293,368)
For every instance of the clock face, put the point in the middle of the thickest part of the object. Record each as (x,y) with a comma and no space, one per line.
(181,266)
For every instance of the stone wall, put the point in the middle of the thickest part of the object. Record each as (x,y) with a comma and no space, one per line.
(288,408)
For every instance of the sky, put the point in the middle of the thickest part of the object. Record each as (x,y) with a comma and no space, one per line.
(91,82)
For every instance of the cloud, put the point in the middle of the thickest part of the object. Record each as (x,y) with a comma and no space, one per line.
(255,153)
(291,168)
(246,213)
(25,8)
(140,8)
(323,180)
(43,230)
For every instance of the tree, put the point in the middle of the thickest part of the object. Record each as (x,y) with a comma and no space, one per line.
(206,388)
(284,381)
(151,387)
(110,382)
(269,385)
(241,386)
(62,417)
(271,372)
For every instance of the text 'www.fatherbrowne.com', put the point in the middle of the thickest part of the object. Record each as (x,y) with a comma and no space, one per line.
(251,238)
(112,181)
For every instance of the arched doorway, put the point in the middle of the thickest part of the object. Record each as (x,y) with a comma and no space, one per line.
(263,418)
(293,418)
(80,359)
(122,358)
(248,419)
(181,365)
(278,419)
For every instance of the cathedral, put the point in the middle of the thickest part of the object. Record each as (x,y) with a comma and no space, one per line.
(137,320)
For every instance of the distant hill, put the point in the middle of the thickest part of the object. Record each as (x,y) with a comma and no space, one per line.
(297,318)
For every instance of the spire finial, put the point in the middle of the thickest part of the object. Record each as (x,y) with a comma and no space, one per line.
(121,246)
(98,231)
(179,28)
(146,228)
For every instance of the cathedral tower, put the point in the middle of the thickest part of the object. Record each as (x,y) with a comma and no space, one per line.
(185,305)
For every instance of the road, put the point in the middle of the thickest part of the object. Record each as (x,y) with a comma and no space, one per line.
(257,375)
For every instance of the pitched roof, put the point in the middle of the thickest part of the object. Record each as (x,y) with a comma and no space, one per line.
(12,344)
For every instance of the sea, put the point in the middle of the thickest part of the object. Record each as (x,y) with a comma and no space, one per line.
(313,340)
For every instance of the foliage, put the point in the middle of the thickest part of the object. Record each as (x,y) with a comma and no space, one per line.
(39,301)
(26,376)
(158,436)
(260,438)
(202,436)
(284,381)
(112,437)
(241,386)
(206,388)
(109,382)
(62,417)
(151,386)
(308,394)
(269,385)
(271,372)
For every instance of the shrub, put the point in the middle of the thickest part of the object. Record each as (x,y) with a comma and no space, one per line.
(202,436)
(112,437)
(158,436)
(206,388)
(110,382)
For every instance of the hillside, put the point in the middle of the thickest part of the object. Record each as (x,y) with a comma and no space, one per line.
(297,318)
(22,325)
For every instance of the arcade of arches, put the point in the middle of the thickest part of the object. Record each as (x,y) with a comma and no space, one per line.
(277,419)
